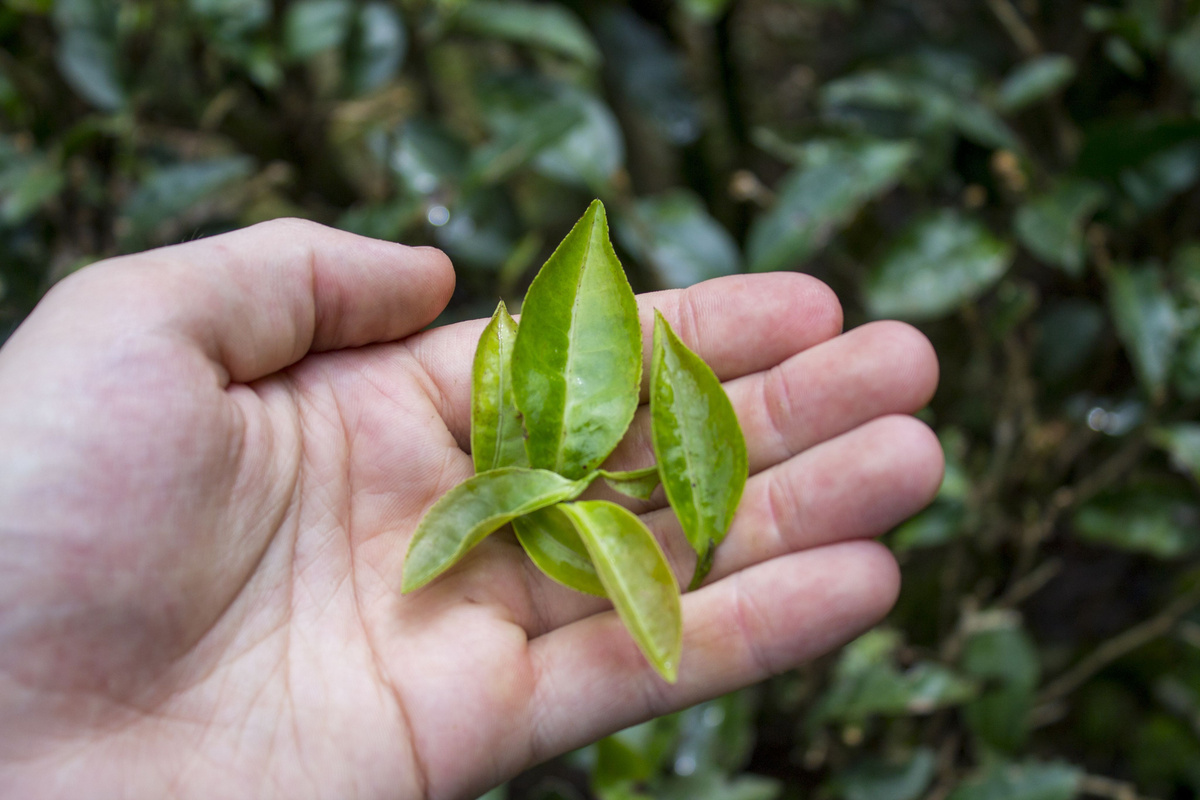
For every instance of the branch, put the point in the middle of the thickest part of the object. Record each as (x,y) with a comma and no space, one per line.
(1120,646)
(1024,37)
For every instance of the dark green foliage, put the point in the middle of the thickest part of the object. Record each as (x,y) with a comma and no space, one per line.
(1021,177)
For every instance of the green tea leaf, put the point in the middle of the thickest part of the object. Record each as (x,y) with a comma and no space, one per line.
(834,181)
(551,27)
(1034,80)
(637,577)
(1147,322)
(700,448)
(638,483)
(941,262)
(577,361)
(1030,780)
(551,541)
(466,514)
(1052,225)
(497,439)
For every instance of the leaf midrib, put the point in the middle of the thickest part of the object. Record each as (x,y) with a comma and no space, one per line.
(572,331)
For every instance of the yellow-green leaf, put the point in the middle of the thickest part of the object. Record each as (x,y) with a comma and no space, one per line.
(466,514)
(551,541)
(577,361)
(635,574)
(497,439)
(700,448)
(636,483)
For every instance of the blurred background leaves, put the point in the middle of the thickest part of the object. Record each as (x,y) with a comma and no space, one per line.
(1019,177)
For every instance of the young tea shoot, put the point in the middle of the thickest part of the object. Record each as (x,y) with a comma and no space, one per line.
(551,398)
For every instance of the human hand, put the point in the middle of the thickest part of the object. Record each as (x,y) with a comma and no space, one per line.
(214,456)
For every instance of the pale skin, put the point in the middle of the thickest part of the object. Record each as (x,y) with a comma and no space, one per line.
(214,456)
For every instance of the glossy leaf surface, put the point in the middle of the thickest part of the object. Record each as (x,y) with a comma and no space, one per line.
(497,439)
(1030,780)
(1035,80)
(638,483)
(465,515)
(543,25)
(636,576)
(551,541)
(577,361)
(674,234)
(700,447)
(1182,441)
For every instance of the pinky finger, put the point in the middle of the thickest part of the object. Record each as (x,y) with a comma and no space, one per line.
(592,680)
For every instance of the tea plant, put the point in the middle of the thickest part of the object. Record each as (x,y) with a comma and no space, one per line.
(551,398)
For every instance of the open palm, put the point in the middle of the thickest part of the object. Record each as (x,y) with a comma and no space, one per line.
(214,456)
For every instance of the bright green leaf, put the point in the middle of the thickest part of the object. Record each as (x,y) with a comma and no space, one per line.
(464,516)
(674,234)
(942,261)
(550,540)
(551,27)
(699,444)
(835,180)
(637,577)
(1052,226)
(638,483)
(497,438)
(577,361)
(1035,80)
(1147,322)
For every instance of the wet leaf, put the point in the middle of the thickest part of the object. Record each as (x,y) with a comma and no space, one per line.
(464,516)
(497,438)
(551,541)
(944,260)
(1052,226)
(1034,80)
(1182,441)
(835,180)
(876,779)
(550,27)
(674,234)
(1029,780)
(1144,313)
(577,361)
(638,483)
(699,444)
(1149,518)
(636,576)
